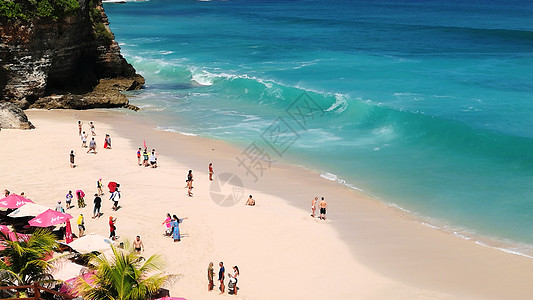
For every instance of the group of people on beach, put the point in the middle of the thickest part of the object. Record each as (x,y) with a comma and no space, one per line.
(92,142)
(148,159)
(233,278)
(172,227)
(323,206)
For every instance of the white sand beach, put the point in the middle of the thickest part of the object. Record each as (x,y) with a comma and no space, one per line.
(365,249)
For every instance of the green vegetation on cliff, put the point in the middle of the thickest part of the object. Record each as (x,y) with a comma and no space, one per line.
(25,10)
(100,31)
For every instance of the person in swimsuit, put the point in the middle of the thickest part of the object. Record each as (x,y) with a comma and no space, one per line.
(233,279)
(92,128)
(138,245)
(139,156)
(80,124)
(145,158)
(83,140)
(189,183)
(323,205)
(250,201)
(92,146)
(313,206)
(211,172)
(72,164)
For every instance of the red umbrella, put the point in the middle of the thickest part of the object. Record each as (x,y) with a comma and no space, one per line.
(68,233)
(49,218)
(112,186)
(14,201)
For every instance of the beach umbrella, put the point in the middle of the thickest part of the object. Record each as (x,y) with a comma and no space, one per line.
(68,233)
(90,243)
(112,186)
(14,201)
(28,210)
(49,218)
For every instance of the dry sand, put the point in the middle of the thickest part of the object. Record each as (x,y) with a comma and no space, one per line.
(365,250)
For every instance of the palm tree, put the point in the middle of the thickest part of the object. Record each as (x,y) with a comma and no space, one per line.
(124,276)
(24,262)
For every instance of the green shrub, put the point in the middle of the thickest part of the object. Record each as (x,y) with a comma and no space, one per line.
(25,10)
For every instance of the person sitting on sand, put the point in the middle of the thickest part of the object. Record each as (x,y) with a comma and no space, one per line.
(92,146)
(167,222)
(138,245)
(313,206)
(59,207)
(233,279)
(83,140)
(72,164)
(210,277)
(153,159)
(323,205)
(250,201)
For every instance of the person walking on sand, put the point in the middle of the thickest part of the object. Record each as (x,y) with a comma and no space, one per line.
(233,281)
(59,207)
(189,183)
(313,206)
(68,199)
(221,272)
(115,197)
(79,195)
(83,140)
(323,206)
(167,222)
(80,124)
(210,277)
(99,187)
(97,205)
(250,201)
(176,228)
(81,225)
(72,155)
(93,130)
(153,159)
(112,228)
(92,146)
(139,157)
(211,172)
(107,141)
(138,245)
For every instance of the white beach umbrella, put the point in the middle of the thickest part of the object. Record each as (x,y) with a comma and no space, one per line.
(28,210)
(90,243)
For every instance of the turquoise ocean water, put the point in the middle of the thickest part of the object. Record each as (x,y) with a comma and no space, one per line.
(426,105)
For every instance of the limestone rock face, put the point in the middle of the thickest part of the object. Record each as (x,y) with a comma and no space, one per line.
(12,117)
(67,57)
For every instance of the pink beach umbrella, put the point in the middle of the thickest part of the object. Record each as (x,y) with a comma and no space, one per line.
(49,218)
(14,201)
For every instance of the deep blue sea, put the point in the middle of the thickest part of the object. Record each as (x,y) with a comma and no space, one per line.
(423,104)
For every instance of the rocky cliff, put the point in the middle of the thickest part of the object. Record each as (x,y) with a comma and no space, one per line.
(67,62)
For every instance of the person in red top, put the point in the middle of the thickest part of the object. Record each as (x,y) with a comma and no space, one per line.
(139,156)
(112,228)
